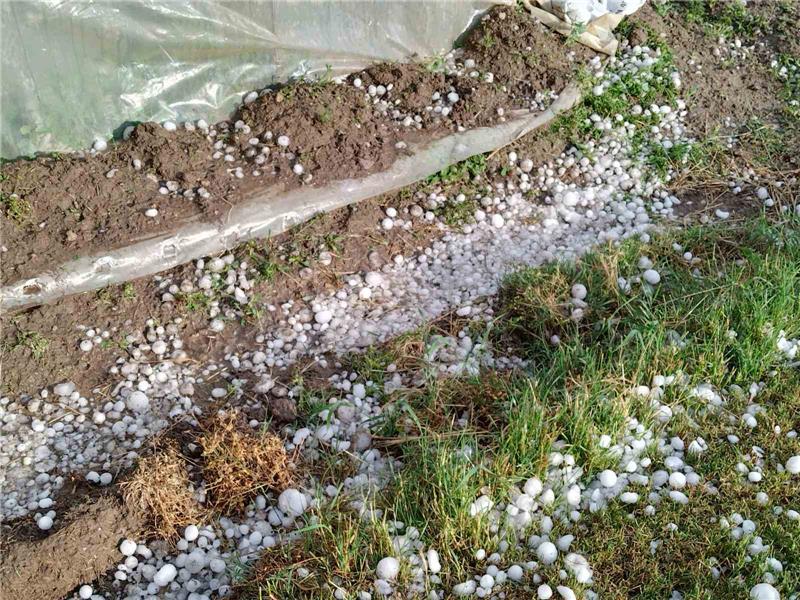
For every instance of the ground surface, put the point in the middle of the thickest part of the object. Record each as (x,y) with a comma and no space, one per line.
(674,373)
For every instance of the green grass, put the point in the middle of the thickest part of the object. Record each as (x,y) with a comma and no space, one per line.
(15,208)
(620,97)
(746,279)
(791,84)
(721,18)
(33,341)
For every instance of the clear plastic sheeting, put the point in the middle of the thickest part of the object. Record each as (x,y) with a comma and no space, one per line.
(269,213)
(74,70)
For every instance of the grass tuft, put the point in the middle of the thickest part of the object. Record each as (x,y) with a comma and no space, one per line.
(239,463)
(160,486)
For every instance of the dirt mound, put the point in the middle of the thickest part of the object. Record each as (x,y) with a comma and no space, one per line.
(78,553)
(54,208)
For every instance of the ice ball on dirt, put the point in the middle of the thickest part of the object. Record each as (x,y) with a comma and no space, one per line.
(85,592)
(44,523)
(99,145)
(388,568)
(544,592)
(138,402)
(191,533)
(292,502)
(127,547)
(165,575)
(64,389)
(764,591)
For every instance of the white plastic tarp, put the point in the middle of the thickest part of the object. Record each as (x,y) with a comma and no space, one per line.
(73,70)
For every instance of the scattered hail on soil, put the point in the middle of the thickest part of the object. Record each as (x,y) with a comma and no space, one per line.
(602,192)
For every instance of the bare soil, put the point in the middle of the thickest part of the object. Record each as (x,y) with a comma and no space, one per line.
(77,553)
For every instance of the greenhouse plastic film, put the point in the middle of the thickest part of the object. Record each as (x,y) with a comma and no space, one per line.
(73,70)
(269,213)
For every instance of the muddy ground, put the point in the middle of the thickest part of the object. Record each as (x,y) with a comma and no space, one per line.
(73,194)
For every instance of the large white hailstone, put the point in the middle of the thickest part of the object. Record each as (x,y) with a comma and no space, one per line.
(292,502)
(44,523)
(388,568)
(608,478)
(547,497)
(629,498)
(138,402)
(793,465)
(498,220)
(566,593)
(85,592)
(464,589)
(677,480)
(127,547)
(196,561)
(191,533)
(515,573)
(544,592)
(652,276)
(574,496)
(579,566)
(579,291)
(64,389)
(481,506)
(373,279)
(434,565)
(533,487)
(547,553)
(165,575)
(764,591)
(323,316)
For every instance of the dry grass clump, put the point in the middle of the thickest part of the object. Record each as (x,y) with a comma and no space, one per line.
(238,463)
(160,487)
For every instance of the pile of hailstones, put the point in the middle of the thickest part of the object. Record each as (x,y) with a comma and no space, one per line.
(206,555)
(591,198)
(60,431)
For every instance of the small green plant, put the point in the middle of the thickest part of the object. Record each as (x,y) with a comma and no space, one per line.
(325,115)
(35,342)
(128,291)
(488,41)
(15,208)
(578,29)
(195,301)
(463,171)
(435,64)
